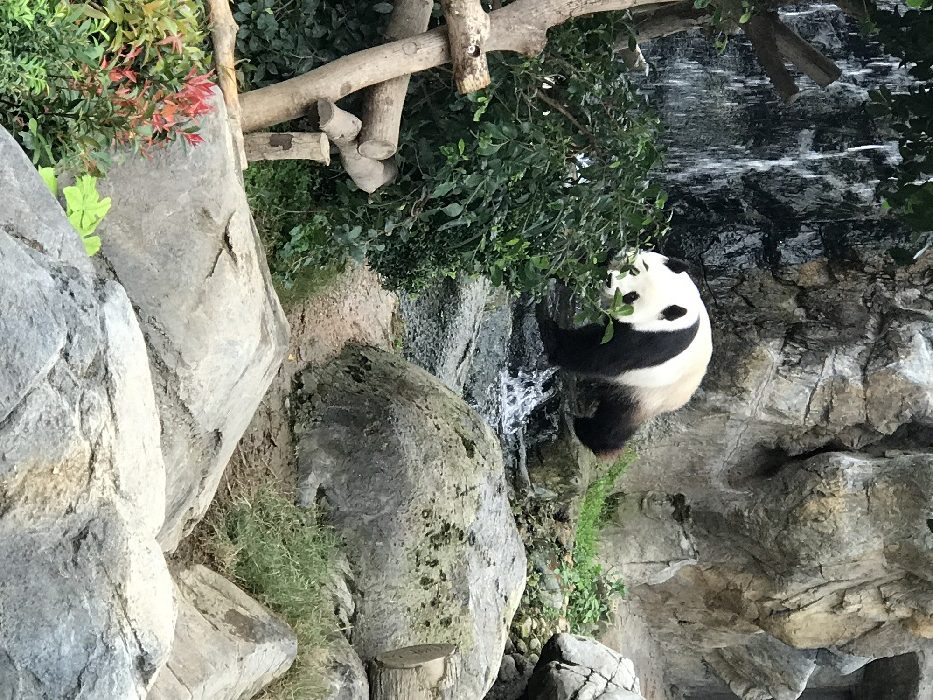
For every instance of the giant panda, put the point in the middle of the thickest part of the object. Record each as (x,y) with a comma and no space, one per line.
(653,363)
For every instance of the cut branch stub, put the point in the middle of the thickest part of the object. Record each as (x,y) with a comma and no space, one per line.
(287,146)
(342,128)
(467,32)
(382,109)
(422,672)
(760,32)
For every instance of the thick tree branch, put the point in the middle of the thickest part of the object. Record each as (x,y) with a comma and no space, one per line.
(467,32)
(382,109)
(520,26)
(342,128)
(223,33)
(287,146)
(795,49)
(760,32)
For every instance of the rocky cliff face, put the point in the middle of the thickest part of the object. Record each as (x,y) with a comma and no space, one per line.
(775,533)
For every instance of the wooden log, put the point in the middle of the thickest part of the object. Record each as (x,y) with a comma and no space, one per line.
(760,33)
(802,54)
(521,27)
(223,34)
(291,145)
(467,32)
(342,128)
(422,672)
(382,109)
(668,20)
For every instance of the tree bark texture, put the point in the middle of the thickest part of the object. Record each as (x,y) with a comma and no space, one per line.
(287,146)
(422,672)
(520,26)
(342,128)
(223,34)
(760,32)
(467,32)
(798,51)
(382,109)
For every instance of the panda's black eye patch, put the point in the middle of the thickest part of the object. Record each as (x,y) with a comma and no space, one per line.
(673,312)
(630,298)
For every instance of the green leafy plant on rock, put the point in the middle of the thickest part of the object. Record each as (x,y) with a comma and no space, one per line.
(84,206)
(591,589)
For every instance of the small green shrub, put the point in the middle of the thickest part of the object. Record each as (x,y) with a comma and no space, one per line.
(78,77)
(83,206)
(592,589)
(282,555)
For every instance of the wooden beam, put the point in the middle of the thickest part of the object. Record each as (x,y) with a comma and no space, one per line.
(760,32)
(382,108)
(287,146)
(342,128)
(223,34)
(467,32)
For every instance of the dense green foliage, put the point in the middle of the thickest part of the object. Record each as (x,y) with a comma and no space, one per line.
(77,77)
(909,36)
(282,555)
(544,175)
(592,589)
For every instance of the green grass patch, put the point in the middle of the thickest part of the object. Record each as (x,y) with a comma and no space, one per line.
(592,589)
(282,555)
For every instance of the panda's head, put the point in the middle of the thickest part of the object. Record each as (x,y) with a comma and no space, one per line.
(660,291)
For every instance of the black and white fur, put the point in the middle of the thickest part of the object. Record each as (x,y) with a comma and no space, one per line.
(656,358)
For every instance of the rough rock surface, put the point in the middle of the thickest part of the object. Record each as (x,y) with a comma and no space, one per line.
(227,646)
(86,606)
(413,482)
(573,667)
(345,675)
(801,511)
(181,240)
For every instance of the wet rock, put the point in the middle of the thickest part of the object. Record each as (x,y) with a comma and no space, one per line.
(181,240)
(763,669)
(412,480)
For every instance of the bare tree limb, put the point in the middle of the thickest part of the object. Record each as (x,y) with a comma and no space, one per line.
(760,31)
(798,51)
(382,109)
(520,26)
(668,20)
(223,34)
(287,146)
(342,128)
(467,32)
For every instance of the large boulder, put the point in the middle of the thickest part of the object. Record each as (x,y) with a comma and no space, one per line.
(573,667)
(412,480)
(227,646)
(181,240)
(86,606)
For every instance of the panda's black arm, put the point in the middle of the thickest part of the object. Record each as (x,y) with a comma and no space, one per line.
(614,422)
(581,350)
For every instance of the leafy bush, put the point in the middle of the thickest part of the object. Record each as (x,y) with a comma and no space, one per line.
(83,206)
(282,555)
(591,589)
(77,77)
(544,175)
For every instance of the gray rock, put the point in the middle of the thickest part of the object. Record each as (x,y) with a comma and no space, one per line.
(345,675)
(573,667)
(763,669)
(227,646)
(441,325)
(180,238)
(86,606)
(904,677)
(413,481)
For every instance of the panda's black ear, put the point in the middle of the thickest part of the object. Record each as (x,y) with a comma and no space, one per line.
(673,312)
(677,266)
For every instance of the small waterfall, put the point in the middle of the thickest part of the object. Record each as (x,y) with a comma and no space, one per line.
(520,395)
